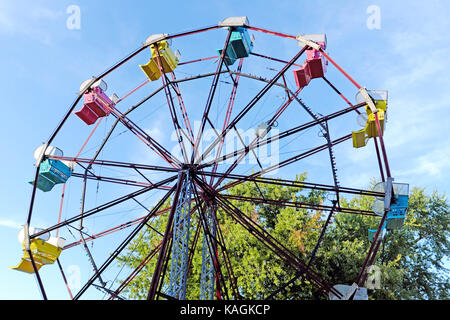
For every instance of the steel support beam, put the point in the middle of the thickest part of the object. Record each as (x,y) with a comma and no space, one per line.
(153,290)
(124,244)
(250,105)
(180,241)
(272,244)
(103,207)
(207,278)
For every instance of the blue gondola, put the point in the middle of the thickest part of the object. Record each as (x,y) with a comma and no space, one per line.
(52,172)
(230,57)
(396,216)
(240,46)
(241,42)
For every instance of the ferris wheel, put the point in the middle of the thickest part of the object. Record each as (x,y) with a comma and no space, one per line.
(244,101)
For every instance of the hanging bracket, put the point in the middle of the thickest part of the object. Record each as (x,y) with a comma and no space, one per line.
(368,99)
(309,42)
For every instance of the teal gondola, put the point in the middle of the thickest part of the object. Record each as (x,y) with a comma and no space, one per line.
(52,172)
(240,46)
(396,216)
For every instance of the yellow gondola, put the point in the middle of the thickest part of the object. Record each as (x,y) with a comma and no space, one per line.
(370,130)
(168,58)
(44,252)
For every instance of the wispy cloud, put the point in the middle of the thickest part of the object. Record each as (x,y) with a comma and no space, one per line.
(29,20)
(434,164)
(8,223)
(412,70)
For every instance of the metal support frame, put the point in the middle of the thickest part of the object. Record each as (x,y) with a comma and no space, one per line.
(170,104)
(275,246)
(211,95)
(250,105)
(207,277)
(167,238)
(176,246)
(311,257)
(180,241)
(333,163)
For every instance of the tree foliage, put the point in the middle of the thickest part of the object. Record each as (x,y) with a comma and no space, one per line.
(411,261)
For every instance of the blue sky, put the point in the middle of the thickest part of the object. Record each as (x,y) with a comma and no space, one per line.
(43,62)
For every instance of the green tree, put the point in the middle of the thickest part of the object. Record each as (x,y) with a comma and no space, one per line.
(411,260)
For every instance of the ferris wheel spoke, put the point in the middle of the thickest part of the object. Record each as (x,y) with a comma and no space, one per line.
(293,184)
(280,34)
(372,252)
(148,140)
(87,169)
(210,98)
(299,205)
(282,253)
(104,206)
(114,229)
(170,104)
(136,271)
(282,135)
(64,278)
(311,258)
(118,164)
(117,121)
(229,110)
(332,86)
(124,244)
(283,163)
(306,154)
(211,248)
(143,136)
(142,101)
(312,255)
(127,182)
(158,272)
(255,143)
(332,163)
(228,114)
(135,167)
(183,111)
(118,228)
(226,258)
(250,105)
(307,109)
(301,156)
(272,58)
(175,82)
(269,241)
